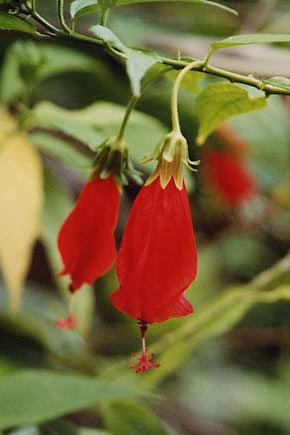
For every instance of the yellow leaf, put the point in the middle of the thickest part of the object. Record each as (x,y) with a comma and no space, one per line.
(7,124)
(21,196)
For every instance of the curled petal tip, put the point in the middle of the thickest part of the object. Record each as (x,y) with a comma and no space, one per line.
(68,323)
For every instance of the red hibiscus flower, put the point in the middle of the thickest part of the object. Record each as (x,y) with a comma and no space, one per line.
(157,260)
(227,176)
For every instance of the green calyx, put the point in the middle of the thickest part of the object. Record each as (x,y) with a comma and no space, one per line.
(112,158)
(172,154)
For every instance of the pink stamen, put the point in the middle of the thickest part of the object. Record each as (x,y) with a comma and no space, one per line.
(144,361)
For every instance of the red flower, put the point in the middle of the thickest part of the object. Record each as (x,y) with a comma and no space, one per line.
(157,260)
(86,239)
(227,176)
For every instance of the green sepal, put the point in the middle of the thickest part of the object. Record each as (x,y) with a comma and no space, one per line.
(112,158)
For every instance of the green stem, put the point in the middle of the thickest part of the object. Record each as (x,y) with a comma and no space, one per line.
(174,95)
(33,6)
(54,30)
(130,107)
(60,12)
(104,16)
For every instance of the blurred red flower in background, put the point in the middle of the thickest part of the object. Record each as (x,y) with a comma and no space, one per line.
(227,176)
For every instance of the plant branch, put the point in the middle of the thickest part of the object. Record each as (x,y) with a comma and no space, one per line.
(201,65)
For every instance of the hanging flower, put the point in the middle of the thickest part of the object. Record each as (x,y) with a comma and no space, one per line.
(86,239)
(228,177)
(158,260)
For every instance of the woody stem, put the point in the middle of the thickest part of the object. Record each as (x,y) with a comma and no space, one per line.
(174,95)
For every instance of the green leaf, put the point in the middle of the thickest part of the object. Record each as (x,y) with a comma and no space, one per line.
(281,82)
(29,397)
(49,115)
(190,82)
(131,418)
(260,130)
(250,39)
(55,147)
(11,22)
(204,2)
(220,101)
(81,7)
(138,63)
(106,35)
(84,7)
(26,63)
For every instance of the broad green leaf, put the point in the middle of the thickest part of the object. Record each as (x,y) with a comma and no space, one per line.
(106,35)
(104,120)
(27,62)
(84,7)
(250,39)
(21,196)
(220,101)
(142,134)
(138,63)
(49,115)
(190,82)
(11,22)
(281,82)
(30,397)
(55,147)
(131,418)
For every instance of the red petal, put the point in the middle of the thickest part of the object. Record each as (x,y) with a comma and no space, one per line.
(86,239)
(228,177)
(157,260)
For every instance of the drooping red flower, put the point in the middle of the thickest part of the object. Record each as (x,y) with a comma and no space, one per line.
(86,239)
(228,177)
(157,260)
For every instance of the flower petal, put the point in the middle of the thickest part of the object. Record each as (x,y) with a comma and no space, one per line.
(157,260)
